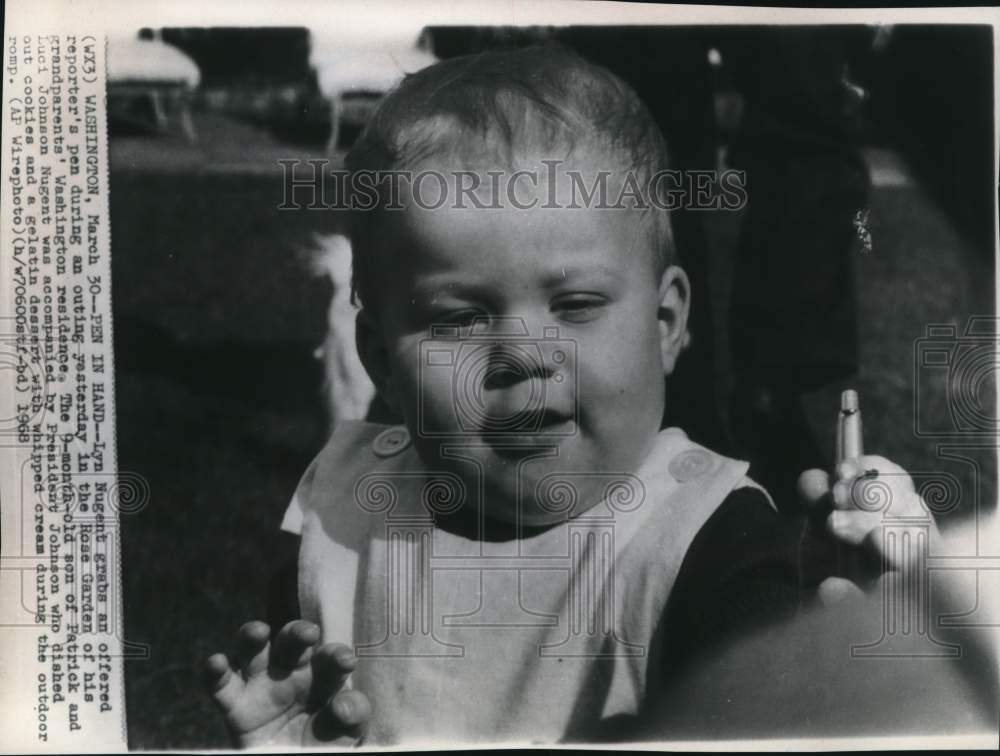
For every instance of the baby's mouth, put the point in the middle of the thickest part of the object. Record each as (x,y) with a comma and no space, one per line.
(527,431)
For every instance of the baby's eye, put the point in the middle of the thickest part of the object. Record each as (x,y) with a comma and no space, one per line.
(579,308)
(463,318)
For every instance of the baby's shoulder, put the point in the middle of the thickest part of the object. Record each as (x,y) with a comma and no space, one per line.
(679,468)
(363,465)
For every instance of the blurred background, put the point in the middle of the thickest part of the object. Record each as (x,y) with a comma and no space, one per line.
(220,306)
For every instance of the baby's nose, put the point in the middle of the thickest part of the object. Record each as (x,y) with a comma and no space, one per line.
(510,365)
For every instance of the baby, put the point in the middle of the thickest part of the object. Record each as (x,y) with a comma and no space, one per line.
(527,557)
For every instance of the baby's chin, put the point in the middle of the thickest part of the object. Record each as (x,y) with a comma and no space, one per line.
(541,497)
(536,485)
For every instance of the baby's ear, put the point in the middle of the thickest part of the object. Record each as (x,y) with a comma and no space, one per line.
(374,356)
(675,303)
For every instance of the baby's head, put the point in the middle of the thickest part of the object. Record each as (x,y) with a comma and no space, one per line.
(520,302)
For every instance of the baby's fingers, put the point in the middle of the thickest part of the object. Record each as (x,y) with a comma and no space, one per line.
(351,708)
(344,719)
(867,463)
(814,492)
(853,527)
(293,645)
(223,685)
(863,492)
(854,486)
(332,663)
(834,590)
(253,648)
(813,486)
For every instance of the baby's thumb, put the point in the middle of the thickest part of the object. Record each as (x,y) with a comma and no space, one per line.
(344,719)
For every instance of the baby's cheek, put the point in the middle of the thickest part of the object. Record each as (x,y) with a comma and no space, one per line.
(423,397)
(622,374)
(431,404)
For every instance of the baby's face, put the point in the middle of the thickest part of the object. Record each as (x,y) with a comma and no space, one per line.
(518,344)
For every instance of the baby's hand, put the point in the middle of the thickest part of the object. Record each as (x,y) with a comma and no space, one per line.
(289,694)
(868,492)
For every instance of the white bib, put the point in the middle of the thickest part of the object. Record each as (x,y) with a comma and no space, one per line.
(523,641)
